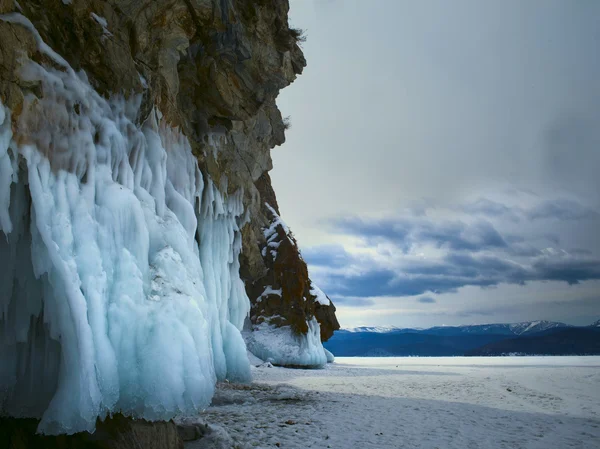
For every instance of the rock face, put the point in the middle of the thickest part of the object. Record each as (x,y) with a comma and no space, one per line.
(213,68)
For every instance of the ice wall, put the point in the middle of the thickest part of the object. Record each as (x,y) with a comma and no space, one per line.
(119,288)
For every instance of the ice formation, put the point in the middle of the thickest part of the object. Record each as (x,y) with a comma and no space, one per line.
(329,355)
(119,288)
(282,346)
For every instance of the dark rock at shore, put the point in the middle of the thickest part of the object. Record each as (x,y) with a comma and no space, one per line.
(116,432)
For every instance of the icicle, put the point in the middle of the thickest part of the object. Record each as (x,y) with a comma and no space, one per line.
(6,170)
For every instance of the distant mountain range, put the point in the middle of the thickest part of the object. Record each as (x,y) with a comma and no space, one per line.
(531,337)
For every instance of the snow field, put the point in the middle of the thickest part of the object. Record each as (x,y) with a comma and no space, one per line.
(444,403)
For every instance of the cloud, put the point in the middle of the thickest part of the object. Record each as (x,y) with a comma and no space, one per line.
(490,208)
(434,138)
(589,303)
(326,256)
(409,231)
(352,301)
(466,252)
(453,271)
(555,209)
(561,209)
(570,269)
(426,300)
(570,145)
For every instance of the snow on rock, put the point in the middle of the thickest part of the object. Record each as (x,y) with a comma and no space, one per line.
(321,298)
(102,22)
(271,234)
(281,346)
(119,288)
(271,291)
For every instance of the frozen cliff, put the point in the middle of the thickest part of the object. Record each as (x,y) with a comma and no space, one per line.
(139,232)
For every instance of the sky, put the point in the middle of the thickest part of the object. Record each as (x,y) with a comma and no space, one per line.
(442,163)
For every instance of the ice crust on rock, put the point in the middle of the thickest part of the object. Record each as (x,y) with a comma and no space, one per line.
(271,235)
(321,298)
(282,346)
(120,287)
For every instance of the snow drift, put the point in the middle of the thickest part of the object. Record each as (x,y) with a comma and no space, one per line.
(119,288)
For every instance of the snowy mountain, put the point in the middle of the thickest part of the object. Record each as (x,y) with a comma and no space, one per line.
(530,327)
(526,327)
(469,339)
(377,329)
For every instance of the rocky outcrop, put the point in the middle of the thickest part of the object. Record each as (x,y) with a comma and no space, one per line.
(284,294)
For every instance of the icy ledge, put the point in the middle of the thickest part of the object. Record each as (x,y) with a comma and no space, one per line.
(119,288)
(281,346)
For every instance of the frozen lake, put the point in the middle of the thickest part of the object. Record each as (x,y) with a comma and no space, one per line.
(454,402)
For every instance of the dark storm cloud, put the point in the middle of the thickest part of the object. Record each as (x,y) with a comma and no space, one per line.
(474,254)
(572,270)
(453,272)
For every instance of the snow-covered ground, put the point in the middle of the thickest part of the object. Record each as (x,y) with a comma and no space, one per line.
(508,402)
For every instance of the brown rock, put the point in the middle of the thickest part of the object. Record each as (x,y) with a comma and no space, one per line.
(285,270)
(117,432)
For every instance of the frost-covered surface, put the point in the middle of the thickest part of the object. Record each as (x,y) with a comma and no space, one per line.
(269,291)
(119,288)
(281,346)
(103,23)
(321,298)
(450,403)
(271,235)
